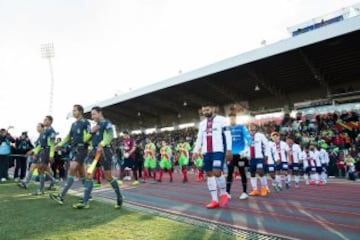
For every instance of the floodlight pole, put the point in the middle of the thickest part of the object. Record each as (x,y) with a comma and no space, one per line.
(48,52)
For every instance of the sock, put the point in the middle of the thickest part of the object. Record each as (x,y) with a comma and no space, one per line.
(221,182)
(184,171)
(306,177)
(297,179)
(278,180)
(161,174)
(201,174)
(145,174)
(211,182)
(42,182)
(88,188)
(116,188)
(28,177)
(68,184)
(51,177)
(154,174)
(316,176)
(170,173)
(253,182)
(264,181)
(98,175)
(289,178)
(83,181)
(228,187)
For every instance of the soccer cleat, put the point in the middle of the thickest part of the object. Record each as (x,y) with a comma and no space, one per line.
(263,192)
(224,200)
(81,206)
(276,188)
(159,180)
(213,204)
(268,190)
(312,182)
(185,180)
(119,203)
(228,195)
(322,183)
(171,180)
(57,198)
(22,185)
(243,196)
(136,182)
(254,193)
(97,185)
(120,182)
(296,185)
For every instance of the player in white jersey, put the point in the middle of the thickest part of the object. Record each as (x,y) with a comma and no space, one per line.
(270,163)
(293,160)
(309,158)
(281,162)
(214,138)
(324,160)
(257,157)
(316,179)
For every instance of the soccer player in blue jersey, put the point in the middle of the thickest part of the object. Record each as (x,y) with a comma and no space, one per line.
(240,139)
(78,138)
(102,135)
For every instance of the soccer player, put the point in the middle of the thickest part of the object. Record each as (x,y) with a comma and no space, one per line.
(165,162)
(199,163)
(293,160)
(183,149)
(324,160)
(215,139)
(150,159)
(102,135)
(281,153)
(45,151)
(257,147)
(240,138)
(318,168)
(78,138)
(129,157)
(308,158)
(270,164)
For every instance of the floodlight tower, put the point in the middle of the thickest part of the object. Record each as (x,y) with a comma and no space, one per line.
(48,52)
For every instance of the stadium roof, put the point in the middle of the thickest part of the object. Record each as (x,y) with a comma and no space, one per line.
(309,66)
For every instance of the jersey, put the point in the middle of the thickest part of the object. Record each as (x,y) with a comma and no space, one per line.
(79,133)
(258,145)
(240,137)
(294,153)
(46,140)
(324,156)
(213,136)
(103,135)
(150,150)
(281,149)
(165,153)
(270,153)
(184,149)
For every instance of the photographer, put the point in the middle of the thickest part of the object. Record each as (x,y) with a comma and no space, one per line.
(22,146)
(5,151)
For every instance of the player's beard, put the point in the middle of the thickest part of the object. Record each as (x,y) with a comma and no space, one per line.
(208,115)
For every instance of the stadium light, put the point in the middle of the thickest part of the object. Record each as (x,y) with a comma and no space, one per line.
(257,88)
(48,52)
(185,103)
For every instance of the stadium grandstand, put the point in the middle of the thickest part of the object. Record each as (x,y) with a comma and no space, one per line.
(313,71)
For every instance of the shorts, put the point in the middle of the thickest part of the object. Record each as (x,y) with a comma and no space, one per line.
(128,163)
(199,162)
(44,156)
(239,162)
(183,160)
(283,166)
(294,167)
(150,163)
(213,161)
(256,164)
(105,159)
(80,154)
(310,169)
(270,168)
(165,164)
(319,169)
